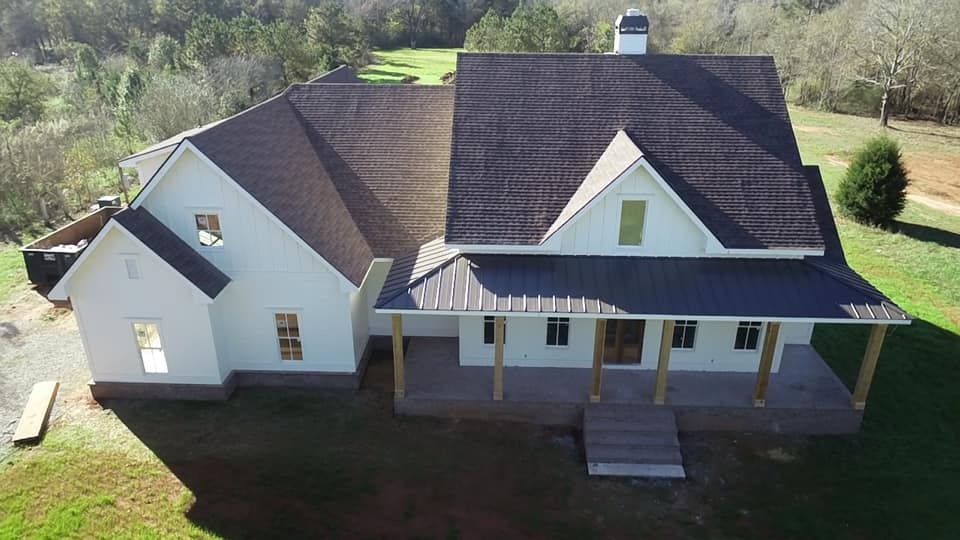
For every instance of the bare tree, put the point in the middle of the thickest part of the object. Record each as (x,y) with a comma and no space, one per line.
(895,35)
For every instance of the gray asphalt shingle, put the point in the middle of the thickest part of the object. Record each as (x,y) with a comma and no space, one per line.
(528,128)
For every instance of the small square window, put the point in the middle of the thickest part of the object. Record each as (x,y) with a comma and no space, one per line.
(684,334)
(632,217)
(151,350)
(558,331)
(209,232)
(489,328)
(748,336)
(288,336)
(133,267)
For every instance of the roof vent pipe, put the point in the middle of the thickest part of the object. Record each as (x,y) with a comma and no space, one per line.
(630,35)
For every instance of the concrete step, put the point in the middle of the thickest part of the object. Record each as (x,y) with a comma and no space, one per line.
(624,440)
(636,470)
(607,453)
(631,438)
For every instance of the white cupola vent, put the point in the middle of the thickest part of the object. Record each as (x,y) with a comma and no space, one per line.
(631,33)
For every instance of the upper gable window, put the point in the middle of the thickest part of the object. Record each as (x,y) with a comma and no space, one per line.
(208,230)
(633,215)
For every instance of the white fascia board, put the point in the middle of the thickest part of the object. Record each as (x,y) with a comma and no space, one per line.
(649,317)
(59,291)
(345,284)
(503,248)
(132,161)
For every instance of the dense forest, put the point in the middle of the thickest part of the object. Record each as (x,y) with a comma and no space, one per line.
(83,82)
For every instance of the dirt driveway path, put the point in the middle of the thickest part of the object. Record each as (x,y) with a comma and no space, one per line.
(37,342)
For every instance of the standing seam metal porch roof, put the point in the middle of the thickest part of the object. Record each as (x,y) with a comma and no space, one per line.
(654,286)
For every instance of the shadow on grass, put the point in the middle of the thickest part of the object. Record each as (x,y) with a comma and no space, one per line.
(384,74)
(926,133)
(929,234)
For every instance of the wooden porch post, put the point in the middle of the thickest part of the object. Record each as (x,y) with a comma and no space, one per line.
(766,364)
(399,384)
(868,366)
(498,327)
(663,363)
(599,340)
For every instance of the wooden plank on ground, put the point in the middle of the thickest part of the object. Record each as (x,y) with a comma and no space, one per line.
(36,413)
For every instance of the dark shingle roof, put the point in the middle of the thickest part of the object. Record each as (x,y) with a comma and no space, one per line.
(169,247)
(654,286)
(338,75)
(528,128)
(356,171)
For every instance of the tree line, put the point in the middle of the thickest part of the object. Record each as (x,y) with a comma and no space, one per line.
(84,82)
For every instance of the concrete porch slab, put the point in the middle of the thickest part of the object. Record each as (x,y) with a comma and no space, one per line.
(805,396)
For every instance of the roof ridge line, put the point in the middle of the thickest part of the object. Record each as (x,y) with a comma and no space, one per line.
(329,178)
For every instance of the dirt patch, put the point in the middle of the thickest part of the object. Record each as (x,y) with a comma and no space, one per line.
(835,160)
(934,180)
(812,129)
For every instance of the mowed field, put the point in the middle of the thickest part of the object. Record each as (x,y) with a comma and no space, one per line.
(324,464)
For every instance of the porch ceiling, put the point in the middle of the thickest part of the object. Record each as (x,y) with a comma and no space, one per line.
(650,287)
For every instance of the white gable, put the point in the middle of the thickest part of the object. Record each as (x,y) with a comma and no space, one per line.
(254,240)
(669,230)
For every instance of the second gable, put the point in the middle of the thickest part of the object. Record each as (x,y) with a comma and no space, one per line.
(666,230)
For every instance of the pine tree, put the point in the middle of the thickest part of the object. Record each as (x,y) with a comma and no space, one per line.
(874,190)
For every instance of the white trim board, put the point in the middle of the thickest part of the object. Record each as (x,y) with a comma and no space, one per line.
(649,317)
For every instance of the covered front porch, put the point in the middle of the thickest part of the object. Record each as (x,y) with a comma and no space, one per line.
(803,396)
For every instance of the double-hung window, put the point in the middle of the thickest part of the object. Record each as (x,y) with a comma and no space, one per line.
(209,233)
(151,350)
(748,336)
(489,328)
(288,335)
(558,331)
(684,335)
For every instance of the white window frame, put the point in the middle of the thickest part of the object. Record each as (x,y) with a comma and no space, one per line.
(483,330)
(696,333)
(274,311)
(126,259)
(206,211)
(136,345)
(749,324)
(648,198)
(558,321)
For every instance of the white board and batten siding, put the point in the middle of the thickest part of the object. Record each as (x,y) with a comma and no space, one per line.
(107,302)
(525,345)
(270,272)
(668,230)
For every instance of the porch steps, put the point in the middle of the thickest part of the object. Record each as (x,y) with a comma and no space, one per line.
(623,440)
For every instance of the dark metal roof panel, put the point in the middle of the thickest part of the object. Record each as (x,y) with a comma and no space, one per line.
(790,288)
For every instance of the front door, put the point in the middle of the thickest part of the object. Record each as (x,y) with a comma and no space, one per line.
(624,341)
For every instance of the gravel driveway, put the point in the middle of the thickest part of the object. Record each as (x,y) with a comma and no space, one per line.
(37,342)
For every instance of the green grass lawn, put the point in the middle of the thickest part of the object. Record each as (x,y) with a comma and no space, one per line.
(13,275)
(427,65)
(327,464)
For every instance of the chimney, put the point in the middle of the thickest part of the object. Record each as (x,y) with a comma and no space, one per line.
(631,33)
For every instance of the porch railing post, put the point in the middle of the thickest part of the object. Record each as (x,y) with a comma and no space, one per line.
(766,364)
(663,363)
(399,384)
(498,327)
(868,367)
(599,340)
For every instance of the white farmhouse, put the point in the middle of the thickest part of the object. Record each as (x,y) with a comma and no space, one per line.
(555,230)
